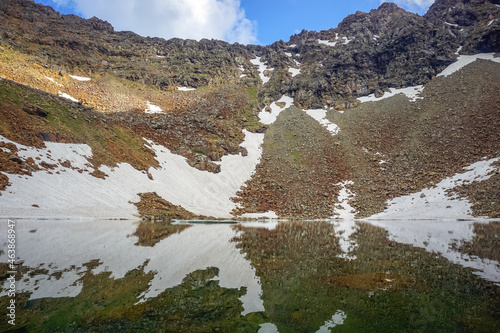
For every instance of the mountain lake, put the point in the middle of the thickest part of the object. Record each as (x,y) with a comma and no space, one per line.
(256,276)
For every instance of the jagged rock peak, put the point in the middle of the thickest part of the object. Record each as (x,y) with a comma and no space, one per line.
(463,12)
(388,6)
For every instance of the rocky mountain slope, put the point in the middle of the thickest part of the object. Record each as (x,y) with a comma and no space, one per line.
(210,126)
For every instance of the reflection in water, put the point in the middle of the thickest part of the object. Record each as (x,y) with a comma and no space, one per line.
(283,276)
(442,237)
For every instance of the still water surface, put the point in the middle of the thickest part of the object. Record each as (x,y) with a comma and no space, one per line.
(300,276)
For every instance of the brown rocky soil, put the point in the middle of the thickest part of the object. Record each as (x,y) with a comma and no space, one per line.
(11,162)
(152,206)
(300,164)
(486,242)
(157,215)
(484,196)
(420,143)
(388,148)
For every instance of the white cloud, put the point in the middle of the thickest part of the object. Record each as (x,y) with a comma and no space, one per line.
(189,19)
(413,5)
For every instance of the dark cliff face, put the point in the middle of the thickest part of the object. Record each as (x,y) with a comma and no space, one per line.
(387,47)
(475,22)
(68,41)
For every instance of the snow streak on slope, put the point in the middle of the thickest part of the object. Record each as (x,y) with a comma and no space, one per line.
(343,209)
(268,118)
(71,193)
(185,89)
(262,68)
(62,94)
(54,81)
(152,109)
(320,116)
(464,60)
(79,78)
(410,92)
(195,248)
(434,203)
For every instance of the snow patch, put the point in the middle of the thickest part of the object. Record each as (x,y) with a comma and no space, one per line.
(242,69)
(52,80)
(337,319)
(67,96)
(152,109)
(451,24)
(294,71)
(266,215)
(490,22)
(347,40)
(464,60)
(185,89)
(411,92)
(262,68)
(268,118)
(334,43)
(434,203)
(80,78)
(327,42)
(320,116)
(344,209)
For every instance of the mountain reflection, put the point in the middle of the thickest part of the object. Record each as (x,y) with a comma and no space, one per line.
(278,276)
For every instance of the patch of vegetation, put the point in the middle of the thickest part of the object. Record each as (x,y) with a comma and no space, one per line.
(68,122)
(199,304)
(157,215)
(252,122)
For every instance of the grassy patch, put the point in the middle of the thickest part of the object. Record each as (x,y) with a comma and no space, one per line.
(68,122)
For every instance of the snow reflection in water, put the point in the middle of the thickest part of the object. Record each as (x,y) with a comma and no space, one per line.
(304,276)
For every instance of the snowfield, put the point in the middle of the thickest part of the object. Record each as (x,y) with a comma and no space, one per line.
(411,92)
(66,193)
(320,116)
(434,203)
(464,60)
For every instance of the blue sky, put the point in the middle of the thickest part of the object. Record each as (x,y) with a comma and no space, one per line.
(245,21)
